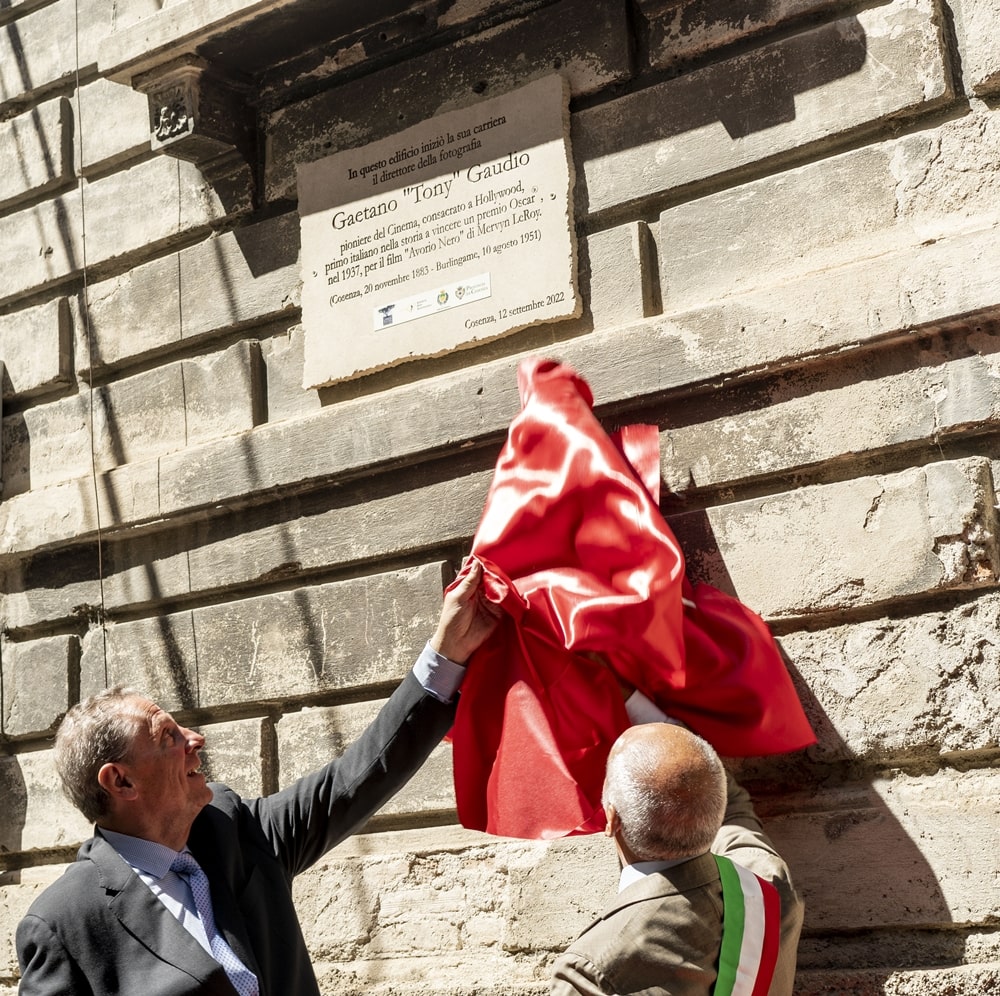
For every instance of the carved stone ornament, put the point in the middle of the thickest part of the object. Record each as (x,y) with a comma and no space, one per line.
(198,114)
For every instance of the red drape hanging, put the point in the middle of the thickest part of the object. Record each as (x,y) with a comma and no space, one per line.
(576,550)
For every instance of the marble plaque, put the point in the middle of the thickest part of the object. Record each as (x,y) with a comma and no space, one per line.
(454,231)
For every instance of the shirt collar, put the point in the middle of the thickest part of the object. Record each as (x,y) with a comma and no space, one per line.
(145,855)
(633,873)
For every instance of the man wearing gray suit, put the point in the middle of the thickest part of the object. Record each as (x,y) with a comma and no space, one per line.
(669,803)
(185,887)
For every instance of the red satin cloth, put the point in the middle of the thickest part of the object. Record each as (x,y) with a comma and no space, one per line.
(576,551)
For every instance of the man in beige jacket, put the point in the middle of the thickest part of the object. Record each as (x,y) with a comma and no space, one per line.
(670,805)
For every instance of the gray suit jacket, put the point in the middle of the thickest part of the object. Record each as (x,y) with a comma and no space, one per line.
(661,935)
(99,930)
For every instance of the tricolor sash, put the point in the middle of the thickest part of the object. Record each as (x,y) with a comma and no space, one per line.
(751,927)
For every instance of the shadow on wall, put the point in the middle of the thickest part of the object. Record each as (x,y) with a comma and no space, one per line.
(872,899)
(14,793)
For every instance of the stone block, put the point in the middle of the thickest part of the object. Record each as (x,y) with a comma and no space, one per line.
(859,205)
(283,357)
(349,634)
(35,347)
(976,25)
(241,755)
(36,814)
(50,588)
(585,40)
(114,125)
(42,244)
(36,152)
(382,526)
(896,688)
(309,739)
(130,213)
(14,902)
(39,679)
(232,279)
(457,912)
(157,657)
(868,541)
(134,419)
(682,32)
(959,980)
(49,46)
(930,836)
(618,268)
(811,418)
(814,86)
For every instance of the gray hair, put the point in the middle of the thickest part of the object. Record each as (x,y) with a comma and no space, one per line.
(666,811)
(97,731)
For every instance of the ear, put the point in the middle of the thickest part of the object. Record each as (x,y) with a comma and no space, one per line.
(614,822)
(114,779)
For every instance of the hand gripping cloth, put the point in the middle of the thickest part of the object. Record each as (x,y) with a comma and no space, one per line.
(576,551)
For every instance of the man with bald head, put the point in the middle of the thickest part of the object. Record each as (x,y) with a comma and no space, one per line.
(671,806)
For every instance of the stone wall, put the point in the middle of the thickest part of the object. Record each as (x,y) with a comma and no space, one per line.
(789,243)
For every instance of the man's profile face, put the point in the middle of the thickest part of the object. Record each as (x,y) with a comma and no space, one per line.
(163,766)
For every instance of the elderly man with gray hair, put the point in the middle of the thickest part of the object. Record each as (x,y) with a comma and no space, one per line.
(705,905)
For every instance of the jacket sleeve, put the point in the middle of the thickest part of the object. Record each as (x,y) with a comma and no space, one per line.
(573,975)
(742,838)
(46,968)
(318,811)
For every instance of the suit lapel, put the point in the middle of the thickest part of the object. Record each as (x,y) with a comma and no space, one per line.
(144,916)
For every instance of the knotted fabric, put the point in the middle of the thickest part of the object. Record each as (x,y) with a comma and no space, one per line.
(592,581)
(243,980)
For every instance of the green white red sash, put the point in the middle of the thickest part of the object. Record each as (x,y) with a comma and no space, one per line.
(751,927)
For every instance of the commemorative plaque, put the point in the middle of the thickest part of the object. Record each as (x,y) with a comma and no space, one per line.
(456,230)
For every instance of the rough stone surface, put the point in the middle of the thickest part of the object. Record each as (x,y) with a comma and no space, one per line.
(36,152)
(48,46)
(310,739)
(617,276)
(856,543)
(283,357)
(114,122)
(35,349)
(227,280)
(37,685)
(976,22)
(874,65)
(584,39)
(921,685)
(135,211)
(808,419)
(682,32)
(345,635)
(36,813)
(156,656)
(349,634)
(134,419)
(861,205)
(240,754)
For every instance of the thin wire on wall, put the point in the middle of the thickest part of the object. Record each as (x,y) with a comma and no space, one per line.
(85,318)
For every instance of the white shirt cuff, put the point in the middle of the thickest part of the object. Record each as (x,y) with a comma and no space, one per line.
(438,675)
